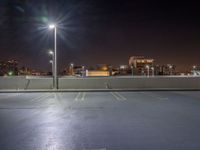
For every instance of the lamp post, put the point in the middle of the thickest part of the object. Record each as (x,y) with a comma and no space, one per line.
(152,69)
(170,69)
(72,68)
(194,70)
(132,70)
(147,67)
(83,71)
(52,65)
(51,62)
(55,86)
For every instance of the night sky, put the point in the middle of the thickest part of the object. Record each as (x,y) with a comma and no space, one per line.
(94,32)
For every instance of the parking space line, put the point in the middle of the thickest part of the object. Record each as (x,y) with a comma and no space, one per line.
(186,94)
(121,96)
(40,97)
(118,96)
(83,96)
(11,96)
(77,96)
(96,149)
(154,96)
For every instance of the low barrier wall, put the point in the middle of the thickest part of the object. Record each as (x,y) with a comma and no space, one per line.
(140,83)
(131,83)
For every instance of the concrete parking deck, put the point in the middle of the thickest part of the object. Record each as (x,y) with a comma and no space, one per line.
(165,120)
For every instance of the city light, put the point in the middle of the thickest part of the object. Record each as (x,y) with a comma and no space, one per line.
(10,73)
(72,65)
(50,52)
(122,66)
(52,26)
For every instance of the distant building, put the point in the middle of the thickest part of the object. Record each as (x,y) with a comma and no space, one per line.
(139,63)
(96,73)
(123,69)
(101,70)
(74,70)
(25,71)
(168,69)
(102,67)
(9,67)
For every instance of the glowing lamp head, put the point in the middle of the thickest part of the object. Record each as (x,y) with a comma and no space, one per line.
(170,66)
(10,73)
(51,52)
(52,26)
(71,64)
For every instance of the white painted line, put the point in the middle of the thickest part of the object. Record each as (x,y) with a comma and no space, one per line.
(96,149)
(115,96)
(163,98)
(83,96)
(121,96)
(39,97)
(77,96)
(10,96)
(155,96)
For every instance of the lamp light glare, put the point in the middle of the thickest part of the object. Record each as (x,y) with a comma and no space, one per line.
(52,26)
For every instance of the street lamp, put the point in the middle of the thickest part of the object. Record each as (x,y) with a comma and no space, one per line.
(152,69)
(50,52)
(83,71)
(55,83)
(170,69)
(194,70)
(132,70)
(52,26)
(147,67)
(72,68)
(51,62)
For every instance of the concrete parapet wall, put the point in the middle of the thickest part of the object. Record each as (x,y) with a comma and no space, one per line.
(157,82)
(131,83)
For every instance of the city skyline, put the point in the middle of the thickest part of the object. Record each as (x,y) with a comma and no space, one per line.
(100,32)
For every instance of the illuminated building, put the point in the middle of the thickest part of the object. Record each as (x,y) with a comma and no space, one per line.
(139,63)
(102,67)
(96,73)
(101,70)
